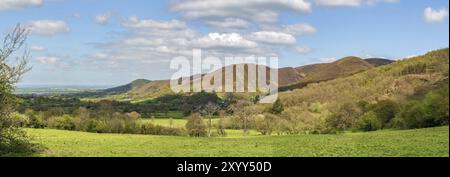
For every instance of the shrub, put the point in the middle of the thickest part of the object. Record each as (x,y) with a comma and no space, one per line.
(35,120)
(432,111)
(87,125)
(277,107)
(53,112)
(195,126)
(370,122)
(20,120)
(315,108)
(385,111)
(346,117)
(265,123)
(150,129)
(412,115)
(437,106)
(63,122)
(220,127)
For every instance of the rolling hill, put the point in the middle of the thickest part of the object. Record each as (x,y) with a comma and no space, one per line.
(126,88)
(327,71)
(289,78)
(398,80)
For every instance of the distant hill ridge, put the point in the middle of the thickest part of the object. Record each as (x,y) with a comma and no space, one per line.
(289,78)
(402,79)
(379,61)
(128,87)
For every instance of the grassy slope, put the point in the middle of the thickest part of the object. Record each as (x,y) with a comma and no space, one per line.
(423,142)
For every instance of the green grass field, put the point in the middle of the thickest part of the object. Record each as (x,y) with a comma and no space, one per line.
(422,142)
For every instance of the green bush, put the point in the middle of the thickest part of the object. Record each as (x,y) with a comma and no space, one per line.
(277,107)
(151,129)
(412,115)
(432,111)
(195,126)
(370,122)
(265,123)
(346,117)
(63,122)
(437,106)
(385,111)
(35,120)
(20,120)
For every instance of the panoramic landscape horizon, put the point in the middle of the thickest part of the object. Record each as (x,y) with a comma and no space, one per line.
(234,78)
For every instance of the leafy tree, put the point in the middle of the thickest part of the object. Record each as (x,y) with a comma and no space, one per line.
(12,138)
(370,122)
(277,107)
(429,112)
(195,126)
(412,115)
(245,111)
(63,122)
(437,106)
(385,111)
(344,118)
(197,101)
(265,124)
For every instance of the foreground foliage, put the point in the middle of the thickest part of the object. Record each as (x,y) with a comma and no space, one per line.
(12,138)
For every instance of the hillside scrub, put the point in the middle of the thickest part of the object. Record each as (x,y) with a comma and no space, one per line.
(379,98)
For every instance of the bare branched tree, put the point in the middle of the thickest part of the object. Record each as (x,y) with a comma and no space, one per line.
(12,139)
(209,110)
(12,43)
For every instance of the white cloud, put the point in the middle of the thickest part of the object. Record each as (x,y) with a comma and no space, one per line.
(229,23)
(251,10)
(339,2)
(435,16)
(48,27)
(328,60)
(19,4)
(135,22)
(302,49)
(153,42)
(48,59)
(38,48)
(299,29)
(351,3)
(103,18)
(232,40)
(272,37)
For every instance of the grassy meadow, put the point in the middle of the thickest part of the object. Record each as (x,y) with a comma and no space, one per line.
(167,122)
(431,142)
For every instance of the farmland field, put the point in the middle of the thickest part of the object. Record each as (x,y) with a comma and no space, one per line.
(173,122)
(386,143)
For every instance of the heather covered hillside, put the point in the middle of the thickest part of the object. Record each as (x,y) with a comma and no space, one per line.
(340,68)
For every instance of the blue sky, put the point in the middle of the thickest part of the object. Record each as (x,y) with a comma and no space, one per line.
(101,42)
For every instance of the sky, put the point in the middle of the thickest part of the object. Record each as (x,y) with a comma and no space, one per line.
(104,42)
